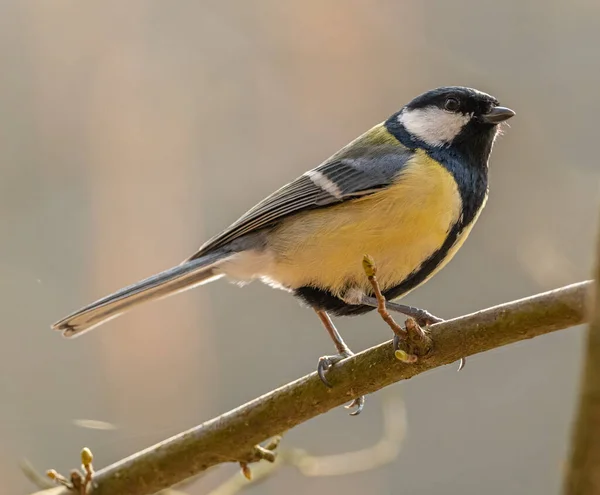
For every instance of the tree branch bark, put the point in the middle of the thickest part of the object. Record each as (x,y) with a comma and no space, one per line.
(583,475)
(232,436)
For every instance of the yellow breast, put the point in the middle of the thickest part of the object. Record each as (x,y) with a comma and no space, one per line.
(400,227)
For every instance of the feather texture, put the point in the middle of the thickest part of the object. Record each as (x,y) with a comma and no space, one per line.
(365,166)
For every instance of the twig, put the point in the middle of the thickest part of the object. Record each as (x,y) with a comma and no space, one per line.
(231,436)
(415,340)
(266,453)
(77,482)
(370,270)
(45,482)
(583,474)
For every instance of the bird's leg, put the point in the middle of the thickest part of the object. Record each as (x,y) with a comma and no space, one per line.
(326,362)
(421,316)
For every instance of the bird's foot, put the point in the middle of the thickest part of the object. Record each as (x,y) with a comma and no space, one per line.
(325,364)
(422,317)
(416,338)
(411,343)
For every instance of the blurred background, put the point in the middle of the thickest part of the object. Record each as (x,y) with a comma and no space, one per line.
(132,131)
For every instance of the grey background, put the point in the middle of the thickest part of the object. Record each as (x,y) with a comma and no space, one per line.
(132,131)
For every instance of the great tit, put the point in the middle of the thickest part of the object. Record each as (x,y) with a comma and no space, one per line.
(407,192)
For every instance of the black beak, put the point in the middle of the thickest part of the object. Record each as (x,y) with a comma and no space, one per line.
(497,115)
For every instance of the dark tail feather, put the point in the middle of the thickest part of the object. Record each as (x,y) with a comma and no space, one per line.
(176,279)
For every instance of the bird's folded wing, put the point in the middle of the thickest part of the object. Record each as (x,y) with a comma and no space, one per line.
(366,165)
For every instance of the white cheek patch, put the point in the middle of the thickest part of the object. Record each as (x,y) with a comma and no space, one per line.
(432,125)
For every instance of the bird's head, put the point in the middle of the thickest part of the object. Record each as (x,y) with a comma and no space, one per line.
(453,116)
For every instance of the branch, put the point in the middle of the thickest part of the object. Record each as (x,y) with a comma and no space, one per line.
(233,436)
(582,477)
(386,450)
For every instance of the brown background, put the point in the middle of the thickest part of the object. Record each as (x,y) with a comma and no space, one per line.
(132,131)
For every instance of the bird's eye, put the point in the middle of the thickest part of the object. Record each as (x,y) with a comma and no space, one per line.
(452,104)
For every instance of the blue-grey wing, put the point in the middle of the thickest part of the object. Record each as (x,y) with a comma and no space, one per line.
(365,166)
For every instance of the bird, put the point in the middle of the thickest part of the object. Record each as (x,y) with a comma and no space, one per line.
(407,192)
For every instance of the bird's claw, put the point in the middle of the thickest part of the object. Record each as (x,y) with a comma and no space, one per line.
(358,403)
(327,362)
(324,364)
